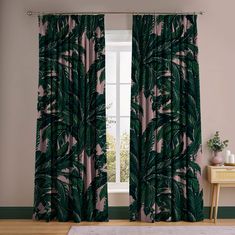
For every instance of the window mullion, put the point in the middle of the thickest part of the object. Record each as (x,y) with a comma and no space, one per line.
(118,117)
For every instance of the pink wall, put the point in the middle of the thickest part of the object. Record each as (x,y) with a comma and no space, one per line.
(19,75)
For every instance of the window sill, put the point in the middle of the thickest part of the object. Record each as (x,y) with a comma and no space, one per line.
(114,188)
(114,191)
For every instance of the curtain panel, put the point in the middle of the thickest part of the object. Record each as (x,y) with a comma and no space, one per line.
(71,175)
(165,147)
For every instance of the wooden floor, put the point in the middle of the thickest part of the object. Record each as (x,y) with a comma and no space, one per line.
(25,227)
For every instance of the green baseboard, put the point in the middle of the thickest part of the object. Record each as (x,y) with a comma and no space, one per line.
(16,212)
(120,212)
(224,212)
(115,212)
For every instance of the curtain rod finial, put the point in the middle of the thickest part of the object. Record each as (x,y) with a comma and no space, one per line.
(29,13)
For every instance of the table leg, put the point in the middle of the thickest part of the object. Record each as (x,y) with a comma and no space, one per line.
(217,201)
(212,200)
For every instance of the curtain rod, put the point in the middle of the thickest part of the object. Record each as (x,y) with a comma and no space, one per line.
(30,13)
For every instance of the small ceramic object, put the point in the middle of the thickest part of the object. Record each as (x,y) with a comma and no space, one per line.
(217,159)
(232,158)
(227,156)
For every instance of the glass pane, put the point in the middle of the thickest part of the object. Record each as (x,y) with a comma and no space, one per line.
(125,99)
(124,148)
(110,100)
(125,67)
(111,163)
(124,132)
(111,133)
(111,146)
(110,66)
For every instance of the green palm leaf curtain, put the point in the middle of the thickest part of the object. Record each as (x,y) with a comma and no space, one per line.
(71,176)
(165,146)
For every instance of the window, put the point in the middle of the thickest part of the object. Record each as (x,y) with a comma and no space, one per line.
(118,87)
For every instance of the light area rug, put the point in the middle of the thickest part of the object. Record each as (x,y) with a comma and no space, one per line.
(152,230)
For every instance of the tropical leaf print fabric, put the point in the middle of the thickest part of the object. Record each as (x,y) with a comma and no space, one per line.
(165,146)
(71,175)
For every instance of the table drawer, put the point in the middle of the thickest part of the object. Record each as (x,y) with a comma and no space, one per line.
(223,175)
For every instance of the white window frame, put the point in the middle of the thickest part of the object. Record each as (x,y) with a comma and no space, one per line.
(118,41)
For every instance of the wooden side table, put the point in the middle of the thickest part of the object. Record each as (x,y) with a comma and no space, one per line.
(219,176)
